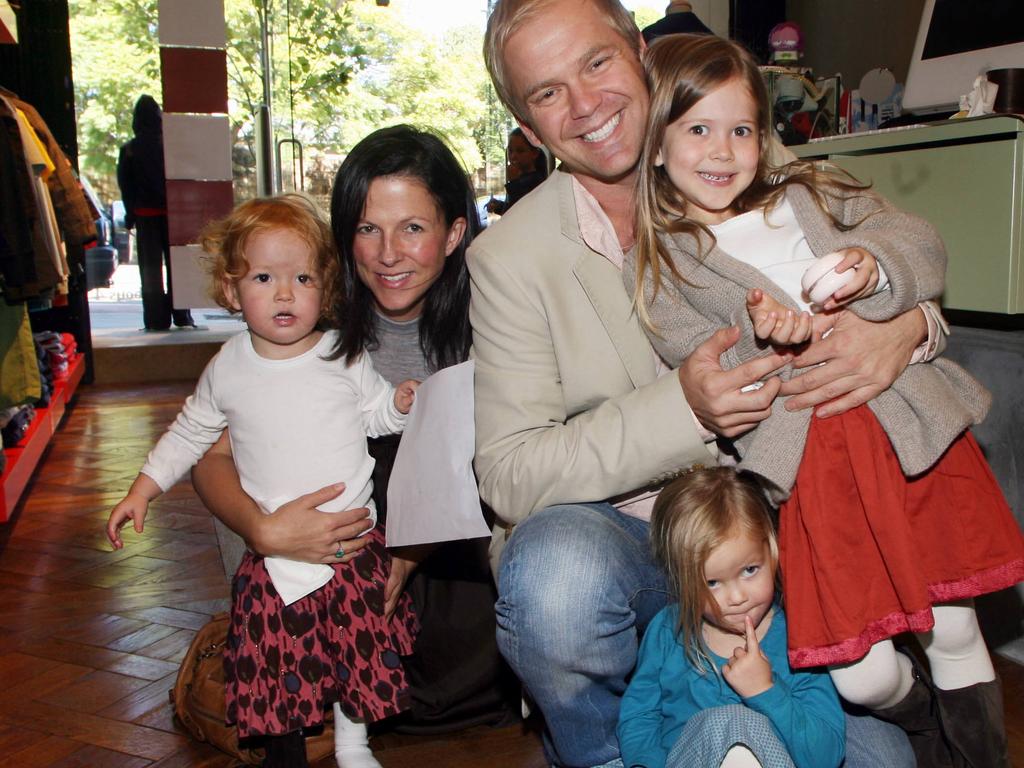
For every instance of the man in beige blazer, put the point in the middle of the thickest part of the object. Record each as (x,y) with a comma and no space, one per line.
(576,430)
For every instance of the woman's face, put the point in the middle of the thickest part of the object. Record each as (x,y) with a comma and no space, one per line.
(522,154)
(401,243)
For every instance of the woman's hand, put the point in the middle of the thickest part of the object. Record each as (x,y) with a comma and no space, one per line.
(861,360)
(299,531)
(404,560)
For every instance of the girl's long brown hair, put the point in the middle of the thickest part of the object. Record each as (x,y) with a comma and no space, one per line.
(681,70)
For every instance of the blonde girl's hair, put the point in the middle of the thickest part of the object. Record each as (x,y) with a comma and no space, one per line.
(509,15)
(225,240)
(681,70)
(692,516)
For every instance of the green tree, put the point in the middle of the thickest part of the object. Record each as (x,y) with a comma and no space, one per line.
(313,55)
(115,51)
(645,16)
(432,84)
(115,60)
(341,69)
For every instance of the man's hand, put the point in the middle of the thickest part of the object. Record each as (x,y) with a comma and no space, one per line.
(299,531)
(717,397)
(748,670)
(861,360)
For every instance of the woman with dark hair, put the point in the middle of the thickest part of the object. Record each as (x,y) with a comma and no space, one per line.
(526,166)
(398,280)
(403,214)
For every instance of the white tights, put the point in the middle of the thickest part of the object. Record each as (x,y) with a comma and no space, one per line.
(740,757)
(351,747)
(956,654)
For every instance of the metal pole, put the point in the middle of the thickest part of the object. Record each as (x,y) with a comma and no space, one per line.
(266,175)
(265,183)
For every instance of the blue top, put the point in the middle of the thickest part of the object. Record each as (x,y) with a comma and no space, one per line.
(666,690)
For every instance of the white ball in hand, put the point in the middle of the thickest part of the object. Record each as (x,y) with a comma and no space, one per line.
(821,279)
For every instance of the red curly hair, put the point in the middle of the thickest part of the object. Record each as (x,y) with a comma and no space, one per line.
(225,240)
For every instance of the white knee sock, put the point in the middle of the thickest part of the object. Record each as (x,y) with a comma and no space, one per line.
(955,647)
(878,681)
(351,748)
(740,757)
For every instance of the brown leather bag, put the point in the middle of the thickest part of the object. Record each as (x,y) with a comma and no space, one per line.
(198,698)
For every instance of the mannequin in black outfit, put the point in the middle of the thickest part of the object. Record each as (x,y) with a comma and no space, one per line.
(140,175)
(679,17)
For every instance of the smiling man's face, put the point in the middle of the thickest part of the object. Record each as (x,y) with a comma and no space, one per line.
(582,88)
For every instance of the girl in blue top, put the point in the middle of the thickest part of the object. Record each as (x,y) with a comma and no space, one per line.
(713,686)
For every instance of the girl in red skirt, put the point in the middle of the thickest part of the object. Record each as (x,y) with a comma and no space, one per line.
(303,636)
(891,520)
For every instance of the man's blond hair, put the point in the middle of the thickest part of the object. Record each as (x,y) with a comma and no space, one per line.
(510,15)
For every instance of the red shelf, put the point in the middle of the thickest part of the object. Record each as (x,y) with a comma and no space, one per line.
(24,457)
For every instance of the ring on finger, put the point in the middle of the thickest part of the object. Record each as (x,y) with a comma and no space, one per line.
(341,551)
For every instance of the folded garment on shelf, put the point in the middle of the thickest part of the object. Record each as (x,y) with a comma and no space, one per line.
(16,428)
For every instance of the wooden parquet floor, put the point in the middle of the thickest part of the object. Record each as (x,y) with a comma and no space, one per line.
(90,639)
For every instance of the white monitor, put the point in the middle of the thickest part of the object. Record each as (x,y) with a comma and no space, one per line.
(957,41)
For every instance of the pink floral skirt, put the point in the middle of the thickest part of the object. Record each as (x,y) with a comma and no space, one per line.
(284,665)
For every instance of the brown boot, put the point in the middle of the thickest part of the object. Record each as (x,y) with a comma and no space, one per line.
(972,719)
(918,715)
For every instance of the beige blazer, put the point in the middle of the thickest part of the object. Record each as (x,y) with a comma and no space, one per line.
(568,404)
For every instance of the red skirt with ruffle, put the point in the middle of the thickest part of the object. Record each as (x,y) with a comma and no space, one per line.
(866,551)
(284,665)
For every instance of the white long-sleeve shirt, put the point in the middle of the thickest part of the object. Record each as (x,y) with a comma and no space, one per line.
(296,425)
(777,246)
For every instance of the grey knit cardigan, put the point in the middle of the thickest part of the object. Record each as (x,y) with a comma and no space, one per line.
(925,409)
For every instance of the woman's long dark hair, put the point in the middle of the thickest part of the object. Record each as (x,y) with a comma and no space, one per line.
(404,151)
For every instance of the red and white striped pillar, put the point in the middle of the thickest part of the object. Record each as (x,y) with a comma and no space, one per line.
(197,135)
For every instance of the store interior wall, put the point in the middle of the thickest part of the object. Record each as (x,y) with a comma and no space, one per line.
(852,38)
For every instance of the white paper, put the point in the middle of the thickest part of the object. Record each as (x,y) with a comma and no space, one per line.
(432,493)
(982,98)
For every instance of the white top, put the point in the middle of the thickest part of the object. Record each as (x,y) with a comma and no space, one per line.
(296,425)
(776,246)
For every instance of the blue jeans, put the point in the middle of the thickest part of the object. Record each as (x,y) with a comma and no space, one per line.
(874,743)
(577,586)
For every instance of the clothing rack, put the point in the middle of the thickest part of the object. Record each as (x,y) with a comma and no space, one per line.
(35,77)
